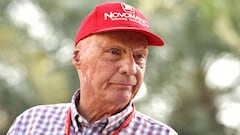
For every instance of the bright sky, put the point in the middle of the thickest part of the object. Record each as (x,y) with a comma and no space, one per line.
(222,72)
(229,115)
(27,15)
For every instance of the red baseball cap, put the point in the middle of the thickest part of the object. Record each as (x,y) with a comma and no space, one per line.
(116,16)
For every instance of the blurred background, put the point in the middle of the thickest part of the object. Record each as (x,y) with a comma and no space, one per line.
(192,83)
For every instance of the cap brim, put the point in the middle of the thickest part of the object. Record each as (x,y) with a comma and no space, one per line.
(153,39)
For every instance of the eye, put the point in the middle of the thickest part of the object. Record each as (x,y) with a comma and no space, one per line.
(115,52)
(140,56)
(140,59)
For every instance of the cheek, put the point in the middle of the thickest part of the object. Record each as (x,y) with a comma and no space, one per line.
(108,69)
(140,77)
(103,72)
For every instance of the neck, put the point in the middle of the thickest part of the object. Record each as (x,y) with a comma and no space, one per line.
(93,111)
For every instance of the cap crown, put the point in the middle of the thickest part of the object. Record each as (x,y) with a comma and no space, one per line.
(112,16)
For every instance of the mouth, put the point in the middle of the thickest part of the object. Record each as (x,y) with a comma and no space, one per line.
(123,85)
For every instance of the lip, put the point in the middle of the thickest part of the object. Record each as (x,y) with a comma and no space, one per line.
(123,84)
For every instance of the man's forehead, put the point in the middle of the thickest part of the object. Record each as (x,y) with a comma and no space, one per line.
(129,36)
(116,38)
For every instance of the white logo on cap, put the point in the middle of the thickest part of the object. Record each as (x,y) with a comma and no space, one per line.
(127,8)
(127,15)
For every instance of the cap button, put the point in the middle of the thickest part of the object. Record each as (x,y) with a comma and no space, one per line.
(80,120)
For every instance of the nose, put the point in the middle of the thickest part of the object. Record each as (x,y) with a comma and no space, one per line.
(128,66)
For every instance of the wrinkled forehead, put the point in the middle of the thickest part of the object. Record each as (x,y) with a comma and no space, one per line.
(135,39)
(127,36)
(125,39)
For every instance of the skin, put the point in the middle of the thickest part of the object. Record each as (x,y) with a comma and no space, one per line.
(111,68)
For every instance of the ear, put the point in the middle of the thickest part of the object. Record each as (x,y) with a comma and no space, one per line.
(76,58)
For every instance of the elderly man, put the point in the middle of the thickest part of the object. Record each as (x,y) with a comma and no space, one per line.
(110,55)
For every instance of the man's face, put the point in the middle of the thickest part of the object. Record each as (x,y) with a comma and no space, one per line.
(112,66)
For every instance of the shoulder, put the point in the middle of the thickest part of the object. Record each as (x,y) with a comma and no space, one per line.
(45,110)
(35,117)
(50,107)
(154,125)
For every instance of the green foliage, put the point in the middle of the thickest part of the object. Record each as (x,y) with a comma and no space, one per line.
(37,70)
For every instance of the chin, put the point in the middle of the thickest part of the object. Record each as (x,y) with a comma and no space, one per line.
(122,98)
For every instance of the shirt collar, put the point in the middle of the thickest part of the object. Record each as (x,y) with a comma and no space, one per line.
(109,122)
